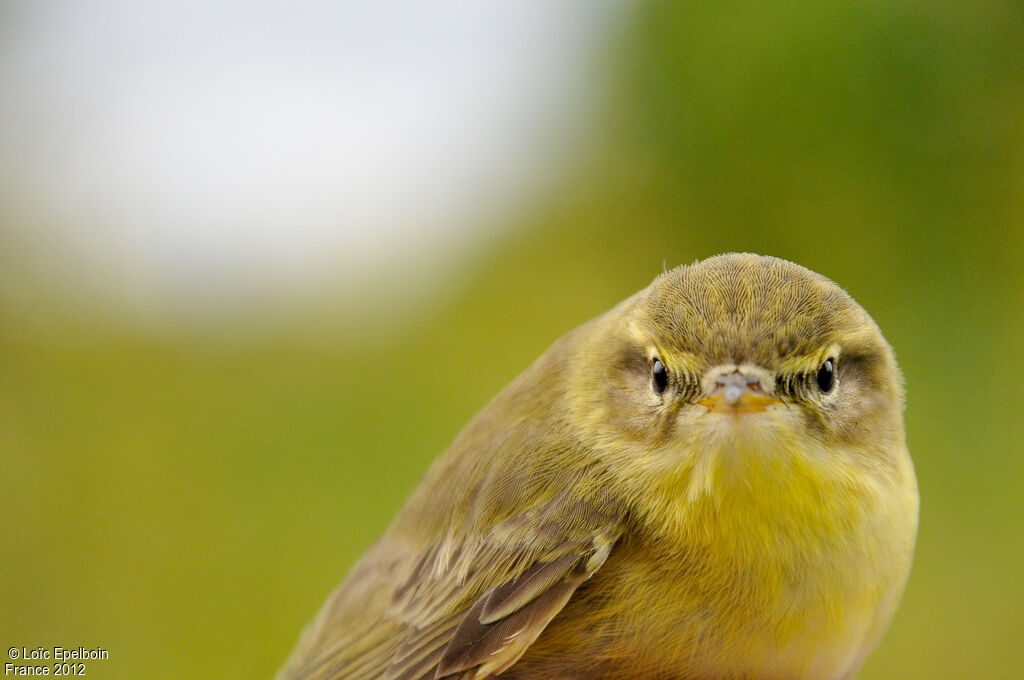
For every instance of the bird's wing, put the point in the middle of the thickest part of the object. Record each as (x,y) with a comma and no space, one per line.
(470,608)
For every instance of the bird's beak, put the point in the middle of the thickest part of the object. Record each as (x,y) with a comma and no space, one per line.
(737,392)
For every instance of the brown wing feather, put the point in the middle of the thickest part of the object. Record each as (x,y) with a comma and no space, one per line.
(503,623)
(501,601)
(463,609)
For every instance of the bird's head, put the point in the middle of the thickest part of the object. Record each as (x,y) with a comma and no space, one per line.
(736,371)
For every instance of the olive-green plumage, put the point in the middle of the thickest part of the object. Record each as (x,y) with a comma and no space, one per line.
(708,481)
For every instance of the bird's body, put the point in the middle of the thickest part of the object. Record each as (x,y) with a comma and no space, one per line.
(669,492)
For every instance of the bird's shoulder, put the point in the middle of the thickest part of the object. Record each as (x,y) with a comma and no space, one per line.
(461,604)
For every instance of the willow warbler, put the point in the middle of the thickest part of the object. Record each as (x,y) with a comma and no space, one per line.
(708,481)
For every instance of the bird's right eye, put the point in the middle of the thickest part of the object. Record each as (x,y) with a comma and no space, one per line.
(659,377)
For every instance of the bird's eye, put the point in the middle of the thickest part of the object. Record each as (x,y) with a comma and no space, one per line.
(827,376)
(659,377)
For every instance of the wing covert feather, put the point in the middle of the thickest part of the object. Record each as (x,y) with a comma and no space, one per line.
(465,609)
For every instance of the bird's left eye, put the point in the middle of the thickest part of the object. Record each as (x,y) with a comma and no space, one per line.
(827,376)
(659,377)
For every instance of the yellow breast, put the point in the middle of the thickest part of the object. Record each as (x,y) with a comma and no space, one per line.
(778,560)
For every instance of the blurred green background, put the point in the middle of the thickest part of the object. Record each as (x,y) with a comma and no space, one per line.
(186,494)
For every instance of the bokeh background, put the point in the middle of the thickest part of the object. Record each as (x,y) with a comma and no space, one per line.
(260,263)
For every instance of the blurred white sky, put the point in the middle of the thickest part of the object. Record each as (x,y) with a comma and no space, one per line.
(195,151)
